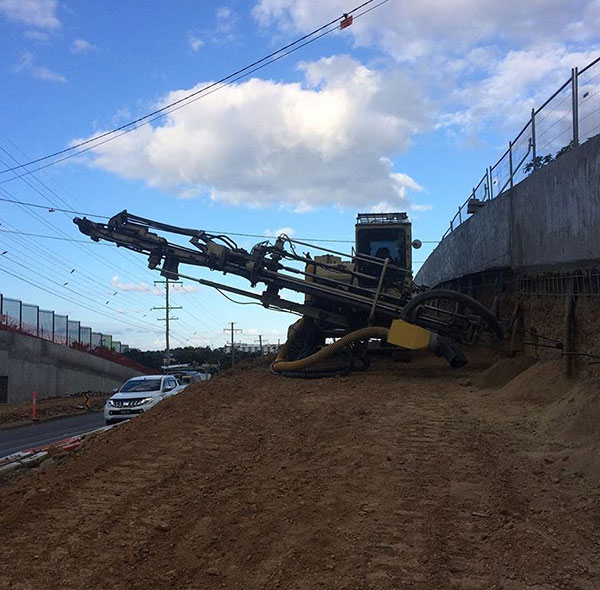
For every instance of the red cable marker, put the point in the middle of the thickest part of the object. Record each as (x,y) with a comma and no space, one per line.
(34,406)
(346,21)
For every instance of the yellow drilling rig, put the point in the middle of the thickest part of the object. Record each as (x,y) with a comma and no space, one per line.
(349,299)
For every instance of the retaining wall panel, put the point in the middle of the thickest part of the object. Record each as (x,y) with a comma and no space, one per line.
(551,218)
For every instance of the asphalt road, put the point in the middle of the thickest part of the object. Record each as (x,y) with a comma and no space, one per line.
(37,435)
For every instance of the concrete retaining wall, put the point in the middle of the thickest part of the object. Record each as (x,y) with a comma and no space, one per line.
(51,370)
(551,219)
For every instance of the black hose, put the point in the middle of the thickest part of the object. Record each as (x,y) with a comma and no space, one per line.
(409,311)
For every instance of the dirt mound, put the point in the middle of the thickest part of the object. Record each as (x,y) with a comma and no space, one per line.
(383,479)
(502,372)
(576,415)
(542,383)
(575,419)
(566,411)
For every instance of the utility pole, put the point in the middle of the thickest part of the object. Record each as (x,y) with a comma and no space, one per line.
(260,343)
(167,317)
(233,331)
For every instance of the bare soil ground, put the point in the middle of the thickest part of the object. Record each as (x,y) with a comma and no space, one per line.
(404,476)
(19,414)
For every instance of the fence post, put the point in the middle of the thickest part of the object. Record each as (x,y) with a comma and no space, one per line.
(37,323)
(510,163)
(52,312)
(575,102)
(491,182)
(459,216)
(533,137)
(20,315)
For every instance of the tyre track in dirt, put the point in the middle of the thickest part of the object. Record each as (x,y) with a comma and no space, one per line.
(392,478)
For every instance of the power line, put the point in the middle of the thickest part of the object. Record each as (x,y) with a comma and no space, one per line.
(23,233)
(73,273)
(167,319)
(52,209)
(68,263)
(51,292)
(163,111)
(59,284)
(214,231)
(66,237)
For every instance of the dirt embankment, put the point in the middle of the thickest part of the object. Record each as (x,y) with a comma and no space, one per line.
(405,476)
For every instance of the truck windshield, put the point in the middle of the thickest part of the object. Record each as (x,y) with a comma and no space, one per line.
(141,385)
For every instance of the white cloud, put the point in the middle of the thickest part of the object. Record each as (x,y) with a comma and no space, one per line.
(411,30)
(145,288)
(288,231)
(137,287)
(327,141)
(481,61)
(81,46)
(511,86)
(27,64)
(423,207)
(37,36)
(223,13)
(35,13)
(195,42)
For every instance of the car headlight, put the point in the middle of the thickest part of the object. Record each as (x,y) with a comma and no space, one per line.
(111,403)
(146,400)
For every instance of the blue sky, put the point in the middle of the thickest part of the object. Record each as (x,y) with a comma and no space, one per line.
(403,111)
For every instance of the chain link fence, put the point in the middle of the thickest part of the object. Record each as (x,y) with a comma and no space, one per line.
(568,118)
(48,325)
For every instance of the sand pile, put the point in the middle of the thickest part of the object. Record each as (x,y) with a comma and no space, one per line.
(382,479)
(566,411)
(542,383)
(502,372)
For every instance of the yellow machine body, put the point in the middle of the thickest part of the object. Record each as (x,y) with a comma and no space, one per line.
(409,336)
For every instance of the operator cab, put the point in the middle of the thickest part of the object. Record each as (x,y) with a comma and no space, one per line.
(384,235)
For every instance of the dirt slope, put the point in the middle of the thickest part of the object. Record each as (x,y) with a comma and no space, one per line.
(405,476)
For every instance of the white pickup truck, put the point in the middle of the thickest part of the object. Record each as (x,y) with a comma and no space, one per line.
(138,395)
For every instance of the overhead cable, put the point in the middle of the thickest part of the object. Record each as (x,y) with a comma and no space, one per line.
(106,136)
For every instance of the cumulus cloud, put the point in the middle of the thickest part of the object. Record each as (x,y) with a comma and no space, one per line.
(27,64)
(511,86)
(35,13)
(411,30)
(481,61)
(81,46)
(260,142)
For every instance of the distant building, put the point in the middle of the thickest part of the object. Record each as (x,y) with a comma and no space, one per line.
(252,348)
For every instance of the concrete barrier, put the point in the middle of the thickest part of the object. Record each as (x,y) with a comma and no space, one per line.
(550,219)
(32,364)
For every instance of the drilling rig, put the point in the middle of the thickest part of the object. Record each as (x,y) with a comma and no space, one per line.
(351,301)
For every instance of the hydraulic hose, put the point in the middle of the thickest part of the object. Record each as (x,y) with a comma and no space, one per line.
(282,365)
